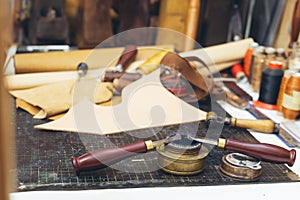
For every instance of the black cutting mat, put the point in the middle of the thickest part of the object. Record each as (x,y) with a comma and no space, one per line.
(44,160)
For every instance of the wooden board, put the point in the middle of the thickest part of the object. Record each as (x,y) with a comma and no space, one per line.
(6,133)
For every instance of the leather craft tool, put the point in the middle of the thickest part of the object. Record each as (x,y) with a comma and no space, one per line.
(127,57)
(260,125)
(102,158)
(240,103)
(233,87)
(262,151)
(82,69)
(235,101)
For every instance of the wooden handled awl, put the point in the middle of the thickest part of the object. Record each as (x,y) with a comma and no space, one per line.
(105,157)
(127,57)
(262,151)
(260,125)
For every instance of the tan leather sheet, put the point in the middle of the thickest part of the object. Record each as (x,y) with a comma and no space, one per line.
(145,103)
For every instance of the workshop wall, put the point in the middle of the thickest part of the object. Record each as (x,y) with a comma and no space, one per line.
(90,22)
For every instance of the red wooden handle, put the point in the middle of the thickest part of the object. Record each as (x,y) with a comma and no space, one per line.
(99,159)
(127,56)
(263,151)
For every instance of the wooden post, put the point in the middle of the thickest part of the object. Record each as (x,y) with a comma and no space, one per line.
(6,158)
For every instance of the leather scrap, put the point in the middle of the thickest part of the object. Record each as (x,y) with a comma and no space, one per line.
(199,82)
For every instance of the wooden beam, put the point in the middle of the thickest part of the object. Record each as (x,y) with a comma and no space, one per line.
(6,161)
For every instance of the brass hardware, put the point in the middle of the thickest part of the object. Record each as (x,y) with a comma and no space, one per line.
(149,145)
(240,166)
(180,161)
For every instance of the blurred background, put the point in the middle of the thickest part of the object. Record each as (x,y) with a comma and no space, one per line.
(85,24)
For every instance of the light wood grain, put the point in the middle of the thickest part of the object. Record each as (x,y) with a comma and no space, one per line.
(6,133)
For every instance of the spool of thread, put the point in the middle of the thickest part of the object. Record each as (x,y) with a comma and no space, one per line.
(248,57)
(270,85)
(257,68)
(286,76)
(291,98)
(238,73)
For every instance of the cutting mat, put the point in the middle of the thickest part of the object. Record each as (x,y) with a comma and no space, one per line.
(44,160)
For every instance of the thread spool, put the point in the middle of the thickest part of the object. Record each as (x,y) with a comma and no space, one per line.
(257,68)
(248,59)
(291,98)
(270,85)
(238,73)
(286,76)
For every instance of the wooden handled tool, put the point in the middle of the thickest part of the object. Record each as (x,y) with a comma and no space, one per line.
(262,151)
(260,125)
(126,58)
(102,158)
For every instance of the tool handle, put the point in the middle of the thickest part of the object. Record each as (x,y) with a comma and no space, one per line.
(102,158)
(127,56)
(260,125)
(262,151)
(235,100)
(295,24)
(110,76)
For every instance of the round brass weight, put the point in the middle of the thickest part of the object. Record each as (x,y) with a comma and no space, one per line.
(241,167)
(181,162)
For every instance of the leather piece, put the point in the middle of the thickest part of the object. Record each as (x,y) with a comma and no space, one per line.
(56,98)
(199,82)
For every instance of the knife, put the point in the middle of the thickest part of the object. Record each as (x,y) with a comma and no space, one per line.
(263,151)
(266,126)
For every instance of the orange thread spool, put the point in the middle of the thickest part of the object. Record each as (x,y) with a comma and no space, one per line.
(291,98)
(286,76)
